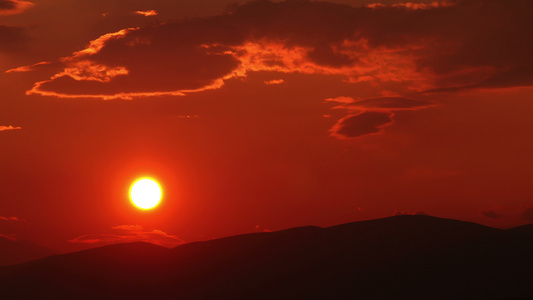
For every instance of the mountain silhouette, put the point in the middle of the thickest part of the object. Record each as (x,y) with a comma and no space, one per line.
(19,251)
(402,257)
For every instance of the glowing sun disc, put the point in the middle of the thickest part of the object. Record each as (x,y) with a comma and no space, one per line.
(145,193)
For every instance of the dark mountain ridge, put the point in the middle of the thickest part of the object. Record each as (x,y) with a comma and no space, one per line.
(19,251)
(403,257)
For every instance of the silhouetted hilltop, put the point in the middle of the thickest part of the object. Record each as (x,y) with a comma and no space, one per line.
(403,257)
(16,252)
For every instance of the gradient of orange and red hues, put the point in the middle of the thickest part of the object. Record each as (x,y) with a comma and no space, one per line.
(261,114)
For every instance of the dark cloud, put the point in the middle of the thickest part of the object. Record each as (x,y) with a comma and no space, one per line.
(491,214)
(12,38)
(528,214)
(7,4)
(468,43)
(362,124)
(388,103)
(394,49)
(371,115)
(516,77)
(519,76)
(11,7)
(392,103)
(11,237)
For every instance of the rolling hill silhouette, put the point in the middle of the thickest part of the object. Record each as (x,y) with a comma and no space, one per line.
(402,257)
(16,252)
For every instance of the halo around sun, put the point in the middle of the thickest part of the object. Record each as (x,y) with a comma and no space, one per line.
(145,193)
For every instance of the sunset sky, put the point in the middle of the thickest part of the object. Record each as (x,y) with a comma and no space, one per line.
(260,115)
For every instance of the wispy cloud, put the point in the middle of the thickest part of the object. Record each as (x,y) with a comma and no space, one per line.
(9,236)
(15,219)
(28,68)
(146,13)
(491,214)
(6,128)
(370,116)
(12,7)
(131,233)
(365,123)
(274,81)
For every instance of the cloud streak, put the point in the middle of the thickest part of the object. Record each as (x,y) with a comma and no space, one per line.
(274,81)
(28,68)
(9,128)
(146,13)
(131,233)
(11,237)
(361,124)
(491,214)
(372,115)
(12,38)
(12,7)
(15,219)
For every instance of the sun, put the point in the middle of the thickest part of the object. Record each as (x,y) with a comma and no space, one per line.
(145,193)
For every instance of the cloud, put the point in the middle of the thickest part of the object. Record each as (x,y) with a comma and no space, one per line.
(274,81)
(11,219)
(28,68)
(344,100)
(11,237)
(491,214)
(458,44)
(528,214)
(362,124)
(388,104)
(7,4)
(400,50)
(11,7)
(146,13)
(6,128)
(131,233)
(376,107)
(12,38)
(384,105)
(94,73)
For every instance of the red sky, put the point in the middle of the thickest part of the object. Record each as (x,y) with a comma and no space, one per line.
(260,115)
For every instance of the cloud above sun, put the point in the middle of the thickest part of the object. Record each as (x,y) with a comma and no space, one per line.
(403,49)
(12,7)
(12,38)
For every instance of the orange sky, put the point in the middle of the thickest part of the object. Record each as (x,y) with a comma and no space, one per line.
(260,115)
